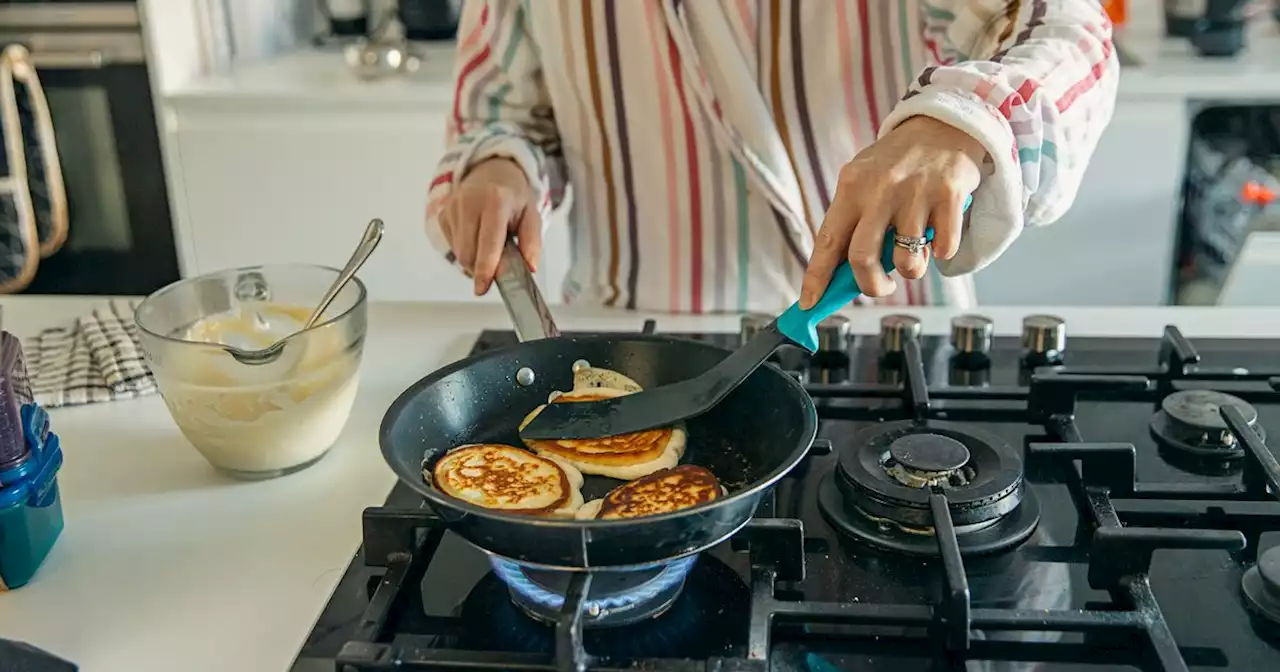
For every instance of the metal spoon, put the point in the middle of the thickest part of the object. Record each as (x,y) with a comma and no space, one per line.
(368,242)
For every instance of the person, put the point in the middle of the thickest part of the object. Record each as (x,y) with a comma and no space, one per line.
(727,155)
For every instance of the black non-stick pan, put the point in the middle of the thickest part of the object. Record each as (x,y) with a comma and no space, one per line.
(749,441)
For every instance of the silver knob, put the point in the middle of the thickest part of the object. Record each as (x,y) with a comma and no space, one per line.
(1044,334)
(833,334)
(896,330)
(751,324)
(971,334)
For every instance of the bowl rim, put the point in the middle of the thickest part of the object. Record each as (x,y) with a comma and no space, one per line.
(361,299)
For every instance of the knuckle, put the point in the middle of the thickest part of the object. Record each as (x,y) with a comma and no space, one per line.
(947,191)
(851,173)
(826,240)
(912,183)
(862,257)
(497,193)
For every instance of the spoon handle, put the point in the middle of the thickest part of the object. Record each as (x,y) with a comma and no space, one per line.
(372,236)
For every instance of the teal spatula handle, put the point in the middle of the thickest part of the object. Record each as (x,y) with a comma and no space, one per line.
(801,326)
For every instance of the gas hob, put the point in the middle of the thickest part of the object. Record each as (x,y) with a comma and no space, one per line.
(971,503)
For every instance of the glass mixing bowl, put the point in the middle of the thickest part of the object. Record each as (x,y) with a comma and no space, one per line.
(256,419)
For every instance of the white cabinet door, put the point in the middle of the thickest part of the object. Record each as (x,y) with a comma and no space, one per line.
(1115,245)
(299,186)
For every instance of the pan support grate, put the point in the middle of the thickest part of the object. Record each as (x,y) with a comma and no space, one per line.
(1125,522)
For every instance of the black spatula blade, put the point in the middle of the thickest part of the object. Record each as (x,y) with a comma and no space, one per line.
(659,407)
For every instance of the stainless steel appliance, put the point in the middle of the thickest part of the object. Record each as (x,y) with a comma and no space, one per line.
(91,61)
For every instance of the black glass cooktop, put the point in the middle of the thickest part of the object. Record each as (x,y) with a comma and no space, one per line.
(1136,561)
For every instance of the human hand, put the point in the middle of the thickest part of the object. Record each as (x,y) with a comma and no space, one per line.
(492,202)
(915,177)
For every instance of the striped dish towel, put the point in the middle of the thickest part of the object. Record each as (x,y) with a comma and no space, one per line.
(94,359)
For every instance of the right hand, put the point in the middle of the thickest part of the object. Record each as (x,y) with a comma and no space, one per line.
(491,203)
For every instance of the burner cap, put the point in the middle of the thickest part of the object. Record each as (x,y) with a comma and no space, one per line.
(890,469)
(1189,427)
(929,453)
(1198,409)
(1261,588)
(973,540)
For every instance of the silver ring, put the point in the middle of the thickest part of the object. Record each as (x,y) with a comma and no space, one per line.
(912,244)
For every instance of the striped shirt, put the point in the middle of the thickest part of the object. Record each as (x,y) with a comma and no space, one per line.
(701,140)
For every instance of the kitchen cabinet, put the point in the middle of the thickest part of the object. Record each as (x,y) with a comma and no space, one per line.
(288,183)
(1114,247)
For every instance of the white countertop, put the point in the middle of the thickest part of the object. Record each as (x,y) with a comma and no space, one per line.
(1171,68)
(1166,69)
(164,564)
(319,76)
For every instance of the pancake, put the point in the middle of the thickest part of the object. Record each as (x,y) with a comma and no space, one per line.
(661,492)
(626,457)
(588,377)
(506,478)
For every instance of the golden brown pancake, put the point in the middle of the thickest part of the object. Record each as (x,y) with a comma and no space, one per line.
(661,492)
(589,377)
(498,476)
(625,457)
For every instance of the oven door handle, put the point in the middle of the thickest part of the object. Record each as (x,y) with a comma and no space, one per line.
(70,60)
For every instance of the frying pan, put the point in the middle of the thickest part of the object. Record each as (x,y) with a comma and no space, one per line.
(749,441)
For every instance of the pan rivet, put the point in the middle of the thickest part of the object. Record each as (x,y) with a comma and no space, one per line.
(524,377)
(580,365)
(593,609)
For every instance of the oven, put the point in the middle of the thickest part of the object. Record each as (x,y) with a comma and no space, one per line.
(90,59)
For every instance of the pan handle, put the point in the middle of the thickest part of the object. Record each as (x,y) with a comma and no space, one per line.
(529,313)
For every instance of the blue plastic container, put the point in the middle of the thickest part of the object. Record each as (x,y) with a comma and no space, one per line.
(30,456)
(30,508)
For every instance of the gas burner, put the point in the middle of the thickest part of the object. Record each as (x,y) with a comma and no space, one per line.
(613,599)
(703,622)
(879,492)
(1192,434)
(928,460)
(1261,589)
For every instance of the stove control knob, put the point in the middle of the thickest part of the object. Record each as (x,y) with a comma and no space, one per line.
(896,330)
(971,334)
(751,324)
(833,334)
(1044,335)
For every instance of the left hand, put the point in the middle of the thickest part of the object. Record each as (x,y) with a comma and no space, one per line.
(916,176)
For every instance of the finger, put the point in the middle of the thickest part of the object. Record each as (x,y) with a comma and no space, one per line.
(489,241)
(830,248)
(947,219)
(445,221)
(466,215)
(911,221)
(865,249)
(529,235)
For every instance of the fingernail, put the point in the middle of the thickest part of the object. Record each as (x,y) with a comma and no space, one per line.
(481,287)
(806,299)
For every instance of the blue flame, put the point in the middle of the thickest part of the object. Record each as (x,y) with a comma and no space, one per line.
(671,575)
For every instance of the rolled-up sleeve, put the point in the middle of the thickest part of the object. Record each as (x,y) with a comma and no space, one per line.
(500,109)
(1035,82)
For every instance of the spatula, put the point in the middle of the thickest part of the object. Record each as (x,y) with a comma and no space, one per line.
(668,404)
